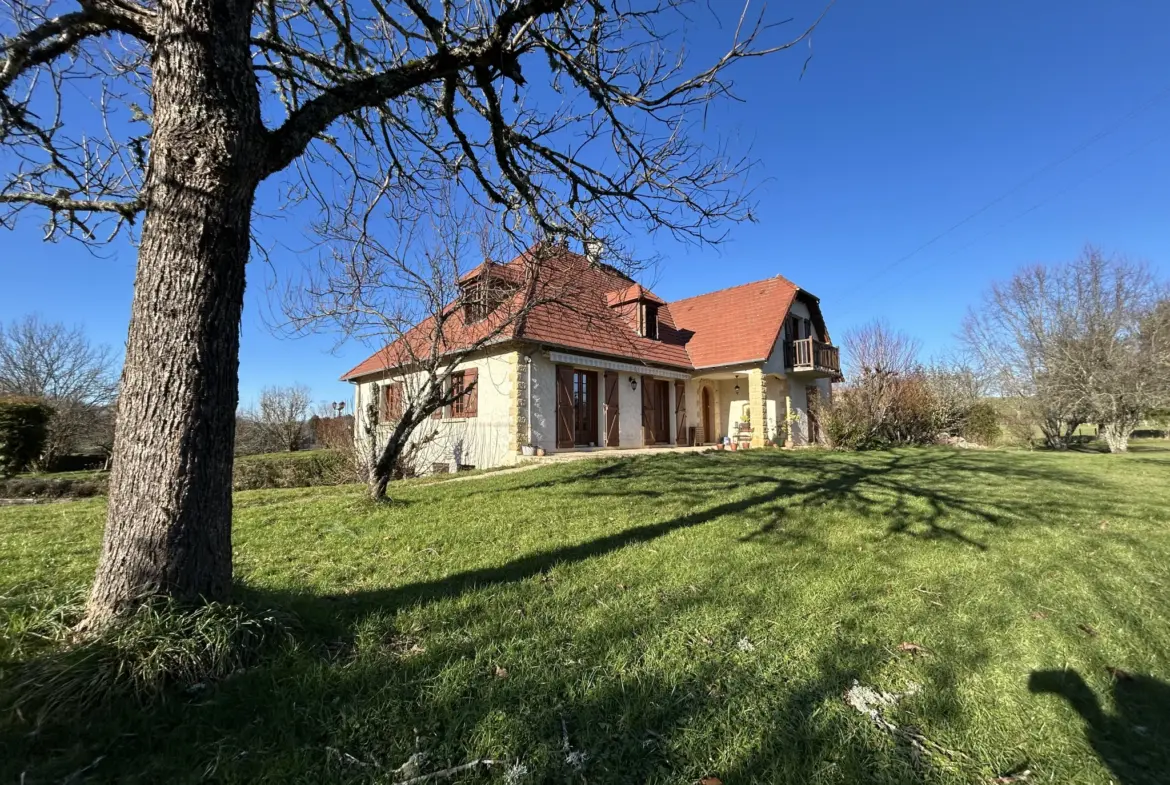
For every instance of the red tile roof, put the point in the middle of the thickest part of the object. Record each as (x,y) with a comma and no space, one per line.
(585,307)
(631,294)
(735,325)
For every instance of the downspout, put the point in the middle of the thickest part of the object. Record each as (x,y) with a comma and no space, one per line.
(528,411)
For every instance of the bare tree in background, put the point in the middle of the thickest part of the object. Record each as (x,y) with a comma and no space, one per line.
(886,400)
(1083,342)
(76,377)
(877,347)
(1011,337)
(434,297)
(280,420)
(1112,355)
(174,112)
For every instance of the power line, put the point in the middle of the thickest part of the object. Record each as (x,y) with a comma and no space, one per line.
(1067,189)
(1079,148)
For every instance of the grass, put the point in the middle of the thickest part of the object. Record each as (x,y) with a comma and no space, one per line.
(659,619)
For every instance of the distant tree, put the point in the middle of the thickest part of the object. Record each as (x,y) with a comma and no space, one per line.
(1084,342)
(280,421)
(76,378)
(1011,336)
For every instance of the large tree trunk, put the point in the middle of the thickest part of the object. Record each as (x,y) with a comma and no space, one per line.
(168,530)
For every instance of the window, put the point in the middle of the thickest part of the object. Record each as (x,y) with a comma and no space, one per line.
(466,392)
(481,297)
(649,321)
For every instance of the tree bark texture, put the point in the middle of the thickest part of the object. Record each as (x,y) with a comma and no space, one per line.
(168,529)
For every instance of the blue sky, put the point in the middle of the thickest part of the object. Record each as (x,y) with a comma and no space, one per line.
(913,115)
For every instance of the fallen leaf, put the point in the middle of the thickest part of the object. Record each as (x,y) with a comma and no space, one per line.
(913,648)
(1039,615)
(1017,776)
(710,781)
(1120,674)
(1087,629)
(1104,524)
(501,673)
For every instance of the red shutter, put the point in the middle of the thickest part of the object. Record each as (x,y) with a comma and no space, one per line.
(471,392)
(680,413)
(612,428)
(564,406)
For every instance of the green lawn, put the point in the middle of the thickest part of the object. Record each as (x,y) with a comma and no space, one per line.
(665,619)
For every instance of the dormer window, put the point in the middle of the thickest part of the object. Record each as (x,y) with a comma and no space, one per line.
(484,290)
(648,320)
(639,307)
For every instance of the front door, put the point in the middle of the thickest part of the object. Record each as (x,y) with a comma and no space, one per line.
(655,411)
(585,408)
(813,395)
(708,425)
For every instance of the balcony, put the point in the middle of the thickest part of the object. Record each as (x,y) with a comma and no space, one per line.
(809,354)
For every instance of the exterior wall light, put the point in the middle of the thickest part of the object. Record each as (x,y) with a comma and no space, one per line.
(633,383)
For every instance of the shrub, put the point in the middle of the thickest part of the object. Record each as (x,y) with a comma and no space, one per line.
(24,427)
(53,488)
(981,424)
(293,470)
(881,409)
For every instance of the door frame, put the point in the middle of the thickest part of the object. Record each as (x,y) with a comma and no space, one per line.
(589,410)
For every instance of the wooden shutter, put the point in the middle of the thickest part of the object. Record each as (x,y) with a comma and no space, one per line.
(647,410)
(564,406)
(391,402)
(680,413)
(612,427)
(437,414)
(471,392)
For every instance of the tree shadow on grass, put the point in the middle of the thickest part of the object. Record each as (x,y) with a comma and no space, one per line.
(347,704)
(1133,740)
(927,494)
(578,717)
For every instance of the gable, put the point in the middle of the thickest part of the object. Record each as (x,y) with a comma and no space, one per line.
(736,325)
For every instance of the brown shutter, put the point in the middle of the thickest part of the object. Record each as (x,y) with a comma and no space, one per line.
(612,428)
(647,410)
(471,392)
(392,402)
(680,413)
(564,406)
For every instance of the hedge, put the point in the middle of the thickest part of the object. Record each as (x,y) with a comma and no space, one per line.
(24,426)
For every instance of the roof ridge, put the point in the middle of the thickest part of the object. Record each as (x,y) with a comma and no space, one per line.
(736,286)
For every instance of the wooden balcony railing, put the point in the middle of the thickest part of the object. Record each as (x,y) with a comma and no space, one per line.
(809,354)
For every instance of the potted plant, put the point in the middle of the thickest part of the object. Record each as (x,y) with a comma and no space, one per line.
(733,446)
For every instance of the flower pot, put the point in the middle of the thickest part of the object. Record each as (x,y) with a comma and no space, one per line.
(528,450)
(733,447)
(539,452)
